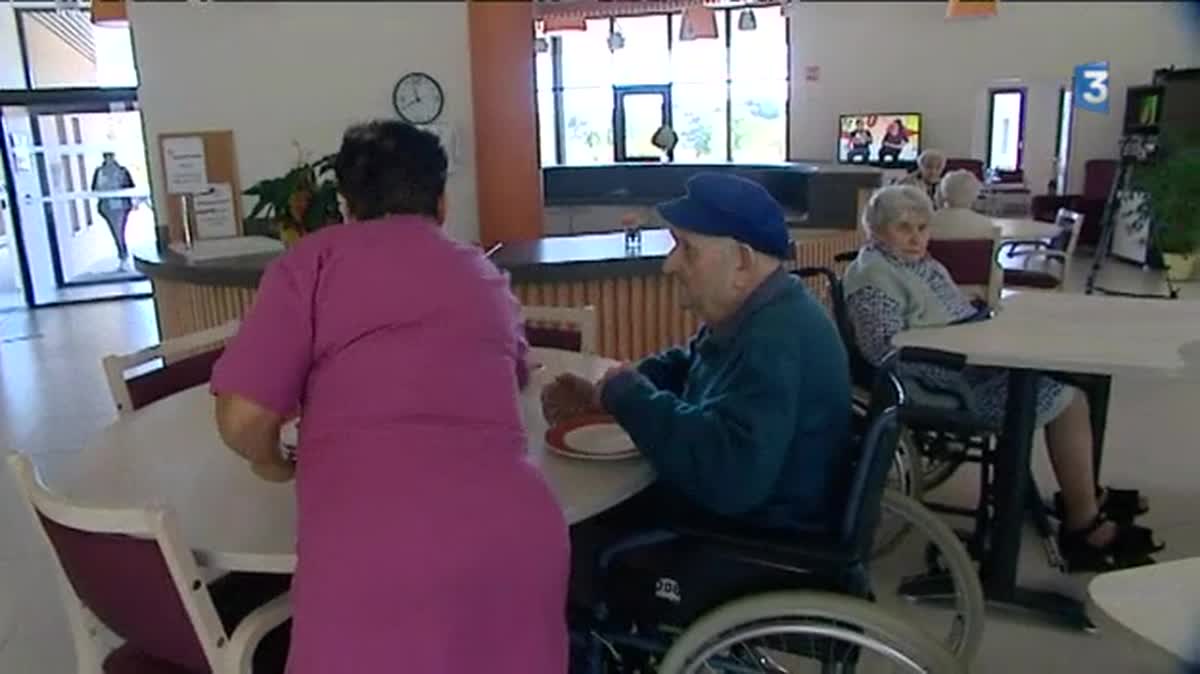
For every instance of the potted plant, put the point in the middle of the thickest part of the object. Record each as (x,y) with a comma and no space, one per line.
(302,200)
(1171,183)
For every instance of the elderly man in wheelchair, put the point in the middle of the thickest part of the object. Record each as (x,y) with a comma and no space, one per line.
(763,484)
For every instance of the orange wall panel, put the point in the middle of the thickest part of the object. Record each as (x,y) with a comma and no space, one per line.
(508,173)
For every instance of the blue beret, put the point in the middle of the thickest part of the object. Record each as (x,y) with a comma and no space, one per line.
(718,204)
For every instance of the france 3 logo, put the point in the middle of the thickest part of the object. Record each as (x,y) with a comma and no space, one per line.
(1091,86)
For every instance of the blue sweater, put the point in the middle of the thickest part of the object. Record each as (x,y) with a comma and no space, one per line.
(752,419)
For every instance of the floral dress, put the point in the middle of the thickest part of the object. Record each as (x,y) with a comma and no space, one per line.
(877,317)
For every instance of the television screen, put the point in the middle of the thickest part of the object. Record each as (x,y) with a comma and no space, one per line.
(879,138)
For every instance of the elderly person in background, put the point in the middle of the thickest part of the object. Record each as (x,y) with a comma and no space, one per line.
(424,534)
(955,219)
(748,421)
(894,285)
(930,166)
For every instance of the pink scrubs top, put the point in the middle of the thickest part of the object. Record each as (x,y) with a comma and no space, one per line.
(426,542)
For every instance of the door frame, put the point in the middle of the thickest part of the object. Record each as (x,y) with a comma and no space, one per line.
(619,93)
(39,101)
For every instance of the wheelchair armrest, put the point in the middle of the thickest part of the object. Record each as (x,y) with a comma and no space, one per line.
(926,356)
(960,392)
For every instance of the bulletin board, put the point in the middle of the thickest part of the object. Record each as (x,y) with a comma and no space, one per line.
(220,160)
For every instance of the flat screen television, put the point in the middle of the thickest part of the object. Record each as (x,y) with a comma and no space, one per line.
(879,138)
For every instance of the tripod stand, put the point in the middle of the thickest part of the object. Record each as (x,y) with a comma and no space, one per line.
(1132,150)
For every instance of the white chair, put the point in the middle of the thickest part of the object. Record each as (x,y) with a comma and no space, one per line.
(567,328)
(129,570)
(187,362)
(1045,265)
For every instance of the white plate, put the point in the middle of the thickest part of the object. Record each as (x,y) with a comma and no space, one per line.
(598,440)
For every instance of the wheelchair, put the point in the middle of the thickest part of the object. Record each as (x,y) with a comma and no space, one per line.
(939,431)
(721,599)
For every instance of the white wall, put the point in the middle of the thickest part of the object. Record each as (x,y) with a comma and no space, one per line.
(278,72)
(905,56)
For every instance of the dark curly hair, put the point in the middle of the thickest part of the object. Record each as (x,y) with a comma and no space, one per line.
(388,167)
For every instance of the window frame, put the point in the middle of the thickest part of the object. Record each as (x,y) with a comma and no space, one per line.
(727,19)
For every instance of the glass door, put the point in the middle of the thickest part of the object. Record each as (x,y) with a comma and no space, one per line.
(12,293)
(639,112)
(81,185)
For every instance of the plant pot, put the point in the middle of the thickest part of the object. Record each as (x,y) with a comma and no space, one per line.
(1180,266)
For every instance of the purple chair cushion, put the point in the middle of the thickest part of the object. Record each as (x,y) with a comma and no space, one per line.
(550,337)
(172,378)
(125,583)
(969,261)
(1030,278)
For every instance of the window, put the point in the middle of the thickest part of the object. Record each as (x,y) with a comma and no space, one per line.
(726,98)
(1006,129)
(64,49)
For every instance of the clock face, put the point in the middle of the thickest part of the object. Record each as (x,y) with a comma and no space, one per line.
(418,98)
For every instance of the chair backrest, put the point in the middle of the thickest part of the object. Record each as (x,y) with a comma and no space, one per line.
(566,328)
(186,362)
(975,166)
(1003,177)
(972,264)
(1098,177)
(129,568)
(1069,222)
(872,457)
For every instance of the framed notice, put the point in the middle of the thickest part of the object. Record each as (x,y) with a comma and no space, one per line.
(183,164)
(203,164)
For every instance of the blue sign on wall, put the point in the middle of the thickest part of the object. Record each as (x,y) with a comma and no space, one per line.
(1091,86)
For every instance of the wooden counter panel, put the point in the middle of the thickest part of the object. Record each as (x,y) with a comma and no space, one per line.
(636,315)
(184,308)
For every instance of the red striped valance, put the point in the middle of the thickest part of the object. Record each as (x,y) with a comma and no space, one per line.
(596,9)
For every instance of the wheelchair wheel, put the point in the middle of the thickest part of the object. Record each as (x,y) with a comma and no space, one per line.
(805,632)
(953,581)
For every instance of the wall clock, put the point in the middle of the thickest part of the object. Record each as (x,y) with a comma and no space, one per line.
(418,98)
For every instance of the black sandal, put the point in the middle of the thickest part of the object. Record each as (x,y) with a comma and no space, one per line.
(1120,505)
(1131,546)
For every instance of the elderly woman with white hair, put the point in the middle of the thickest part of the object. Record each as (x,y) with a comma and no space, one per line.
(894,285)
(930,166)
(957,191)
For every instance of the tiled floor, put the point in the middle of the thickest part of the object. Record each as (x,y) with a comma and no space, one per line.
(53,397)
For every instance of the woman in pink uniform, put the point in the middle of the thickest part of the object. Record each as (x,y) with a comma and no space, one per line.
(426,542)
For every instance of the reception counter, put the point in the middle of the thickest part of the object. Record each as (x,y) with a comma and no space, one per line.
(637,306)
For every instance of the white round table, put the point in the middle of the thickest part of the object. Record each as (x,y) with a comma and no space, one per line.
(169,454)
(1160,603)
